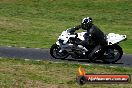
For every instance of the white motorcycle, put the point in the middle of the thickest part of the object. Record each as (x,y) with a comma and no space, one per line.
(65,46)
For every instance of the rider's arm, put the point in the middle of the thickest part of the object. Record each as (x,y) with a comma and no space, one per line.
(72,30)
(89,35)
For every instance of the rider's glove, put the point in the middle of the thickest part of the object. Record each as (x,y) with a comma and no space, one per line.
(72,30)
(77,27)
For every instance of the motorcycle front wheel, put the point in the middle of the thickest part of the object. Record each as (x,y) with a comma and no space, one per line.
(112,54)
(54,52)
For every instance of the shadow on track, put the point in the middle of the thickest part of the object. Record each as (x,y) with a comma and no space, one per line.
(87,61)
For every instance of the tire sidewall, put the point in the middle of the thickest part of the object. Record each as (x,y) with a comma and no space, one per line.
(117,47)
(51,52)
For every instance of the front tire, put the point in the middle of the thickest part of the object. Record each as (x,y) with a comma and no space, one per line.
(54,52)
(112,54)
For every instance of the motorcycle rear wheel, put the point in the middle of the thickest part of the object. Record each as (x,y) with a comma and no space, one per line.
(112,54)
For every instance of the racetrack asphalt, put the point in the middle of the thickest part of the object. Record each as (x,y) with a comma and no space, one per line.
(43,54)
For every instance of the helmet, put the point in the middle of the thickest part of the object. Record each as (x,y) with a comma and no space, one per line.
(86,23)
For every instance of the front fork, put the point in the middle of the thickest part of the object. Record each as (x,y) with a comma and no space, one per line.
(61,49)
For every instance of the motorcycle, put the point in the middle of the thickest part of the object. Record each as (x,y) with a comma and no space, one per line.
(65,46)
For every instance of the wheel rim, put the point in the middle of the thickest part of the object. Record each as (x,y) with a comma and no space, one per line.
(112,55)
(58,54)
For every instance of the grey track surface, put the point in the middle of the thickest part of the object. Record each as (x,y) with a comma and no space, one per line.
(43,54)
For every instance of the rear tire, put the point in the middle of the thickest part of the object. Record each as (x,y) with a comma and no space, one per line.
(54,52)
(111,57)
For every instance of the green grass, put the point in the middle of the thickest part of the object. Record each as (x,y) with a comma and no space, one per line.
(46,74)
(38,23)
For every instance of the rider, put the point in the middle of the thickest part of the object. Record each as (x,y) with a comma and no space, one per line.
(93,36)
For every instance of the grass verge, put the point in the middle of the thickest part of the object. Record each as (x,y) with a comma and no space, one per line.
(47,74)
